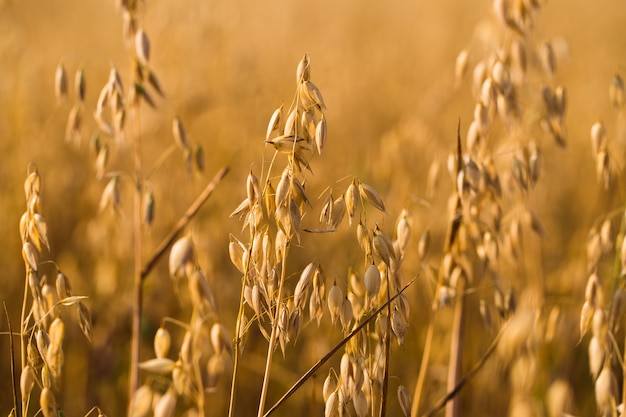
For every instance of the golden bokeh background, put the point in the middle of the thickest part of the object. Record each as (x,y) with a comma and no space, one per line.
(386,70)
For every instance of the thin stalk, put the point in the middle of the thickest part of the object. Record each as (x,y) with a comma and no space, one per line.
(385,387)
(22,324)
(419,388)
(451,235)
(12,352)
(233,386)
(624,373)
(456,352)
(272,343)
(23,342)
(454,392)
(183,221)
(138,281)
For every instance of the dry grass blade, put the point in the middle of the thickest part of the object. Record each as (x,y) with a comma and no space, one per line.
(180,225)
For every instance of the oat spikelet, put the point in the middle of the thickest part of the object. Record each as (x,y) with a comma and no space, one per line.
(60,83)
(616,92)
(180,136)
(404,398)
(335,300)
(142,46)
(48,403)
(371,195)
(84,320)
(27,382)
(162,342)
(303,72)
(29,254)
(166,405)
(141,404)
(460,67)
(181,255)
(79,85)
(274,122)
(352,200)
(320,134)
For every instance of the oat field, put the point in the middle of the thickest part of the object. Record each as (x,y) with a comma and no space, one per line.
(350,208)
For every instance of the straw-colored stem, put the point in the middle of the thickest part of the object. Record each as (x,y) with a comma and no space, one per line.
(183,221)
(419,387)
(272,344)
(137,281)
(456,352)
(233,386)
(385,387)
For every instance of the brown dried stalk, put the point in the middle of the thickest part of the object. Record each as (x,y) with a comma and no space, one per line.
(273,338)
(457,388)
(12,354)
(183,221)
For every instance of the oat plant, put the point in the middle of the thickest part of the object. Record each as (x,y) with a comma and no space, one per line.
(491,205)
(48,304)
(118,136)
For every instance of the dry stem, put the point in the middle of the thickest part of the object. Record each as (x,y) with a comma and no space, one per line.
(456,352)
(273,337)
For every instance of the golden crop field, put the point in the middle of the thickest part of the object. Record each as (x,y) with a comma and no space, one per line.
(376,208)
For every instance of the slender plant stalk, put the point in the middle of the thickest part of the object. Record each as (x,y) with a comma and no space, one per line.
(12,354)
(451,235)
(183,221)
(233,386)
(383,397)
(272,344)
(421,377)
(138,281)
(456,351)
(457,388)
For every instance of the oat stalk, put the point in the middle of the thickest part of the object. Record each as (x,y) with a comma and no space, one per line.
(456,353)
(12,354)
(237,353)
(456,344)
(421,377)
(183,221)
(461,383)
(138,247)
(383,397)
(273,337)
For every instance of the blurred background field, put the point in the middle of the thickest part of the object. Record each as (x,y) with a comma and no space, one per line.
(386,70)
